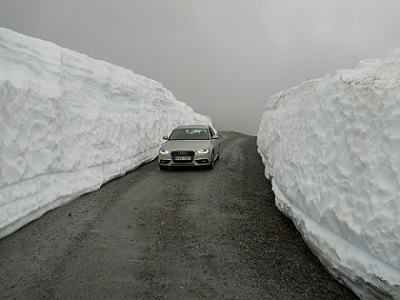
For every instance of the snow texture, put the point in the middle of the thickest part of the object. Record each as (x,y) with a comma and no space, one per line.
(69,123)
(331,147)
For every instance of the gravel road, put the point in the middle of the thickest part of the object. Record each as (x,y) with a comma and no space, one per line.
(179,234)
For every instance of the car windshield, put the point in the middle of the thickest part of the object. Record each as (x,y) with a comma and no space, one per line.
(190,134)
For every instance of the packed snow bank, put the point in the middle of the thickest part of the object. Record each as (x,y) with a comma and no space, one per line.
(331,147)
(69,123)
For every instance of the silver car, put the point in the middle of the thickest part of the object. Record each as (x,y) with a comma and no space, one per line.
(192,145)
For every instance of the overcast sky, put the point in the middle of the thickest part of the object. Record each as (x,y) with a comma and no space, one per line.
(224,58)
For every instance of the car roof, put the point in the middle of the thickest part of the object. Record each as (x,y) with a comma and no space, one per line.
(192,127)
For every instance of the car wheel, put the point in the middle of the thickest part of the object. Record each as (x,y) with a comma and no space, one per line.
(163,167)
(219,152)
(211,165)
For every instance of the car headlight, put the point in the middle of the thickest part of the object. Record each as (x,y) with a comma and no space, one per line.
(163,151)
(203,151)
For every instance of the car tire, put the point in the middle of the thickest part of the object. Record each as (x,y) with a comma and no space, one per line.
(211,165)
(163,168)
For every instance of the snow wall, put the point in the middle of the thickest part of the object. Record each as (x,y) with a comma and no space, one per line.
(332,149)
(69,123)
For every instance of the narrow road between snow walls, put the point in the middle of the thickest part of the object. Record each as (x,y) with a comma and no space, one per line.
(177,234)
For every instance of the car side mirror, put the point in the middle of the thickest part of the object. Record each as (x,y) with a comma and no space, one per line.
(215,137)
(165,137)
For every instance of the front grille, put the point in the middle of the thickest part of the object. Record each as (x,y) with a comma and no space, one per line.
(182,156)
(182,153)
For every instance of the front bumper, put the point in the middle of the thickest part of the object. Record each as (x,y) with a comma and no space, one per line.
(184,158)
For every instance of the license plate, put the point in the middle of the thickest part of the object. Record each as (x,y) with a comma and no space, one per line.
(182,158)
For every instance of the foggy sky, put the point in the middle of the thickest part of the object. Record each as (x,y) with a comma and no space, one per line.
(224,58)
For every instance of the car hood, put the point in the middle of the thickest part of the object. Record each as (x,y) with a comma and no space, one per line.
(185,145)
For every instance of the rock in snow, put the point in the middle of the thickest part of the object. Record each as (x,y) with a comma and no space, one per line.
(332,149)
(69,123)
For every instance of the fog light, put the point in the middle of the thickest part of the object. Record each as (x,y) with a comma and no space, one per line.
(202,161)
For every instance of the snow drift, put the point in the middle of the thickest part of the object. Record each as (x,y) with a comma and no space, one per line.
(331,147)
(69,123)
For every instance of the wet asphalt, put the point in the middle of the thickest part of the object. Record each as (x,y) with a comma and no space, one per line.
(179,234)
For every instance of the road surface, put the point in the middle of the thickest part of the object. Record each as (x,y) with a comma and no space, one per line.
(180,234)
